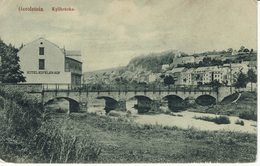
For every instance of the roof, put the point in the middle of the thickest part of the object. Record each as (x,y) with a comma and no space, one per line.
(178,69)
(73,54)
(191,70)
(208,68)
(236,65)
(69,57)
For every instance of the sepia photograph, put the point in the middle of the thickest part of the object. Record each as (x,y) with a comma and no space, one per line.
(128,81)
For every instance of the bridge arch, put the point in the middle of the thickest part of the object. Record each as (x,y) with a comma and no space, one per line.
(74,105)
(173,102)
(206,100)
(143,104)
(110,103)
(142,97)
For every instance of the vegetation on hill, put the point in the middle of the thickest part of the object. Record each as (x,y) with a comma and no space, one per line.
(140,68)
(152,62)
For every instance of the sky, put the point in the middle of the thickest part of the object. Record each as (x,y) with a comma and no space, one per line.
(109,33)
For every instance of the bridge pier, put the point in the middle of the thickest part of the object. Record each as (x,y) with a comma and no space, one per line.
(83,106)
(155,105)
(121,105)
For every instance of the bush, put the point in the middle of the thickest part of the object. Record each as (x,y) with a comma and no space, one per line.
(217,120)
(56,146)
(30,134)
(1,102)
(248,115)
(240,122)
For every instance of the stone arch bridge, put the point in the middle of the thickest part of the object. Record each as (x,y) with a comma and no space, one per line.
(80,98)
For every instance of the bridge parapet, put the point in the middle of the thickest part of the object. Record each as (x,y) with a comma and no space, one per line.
(30,88)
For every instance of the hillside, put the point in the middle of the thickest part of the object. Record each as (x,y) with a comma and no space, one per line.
(140,68)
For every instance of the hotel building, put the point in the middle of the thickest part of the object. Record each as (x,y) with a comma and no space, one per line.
(44,62)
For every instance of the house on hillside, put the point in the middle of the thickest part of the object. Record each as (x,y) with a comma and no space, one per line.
(177,74)
(204,75)
(222,75)
(153,77)
(44,62)
(165,67)
(188,77)
(237,67)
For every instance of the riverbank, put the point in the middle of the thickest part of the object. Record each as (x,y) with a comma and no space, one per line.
(123,141)
(186,120)
(244,107)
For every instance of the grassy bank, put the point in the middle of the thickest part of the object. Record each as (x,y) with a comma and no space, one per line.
(123,141)
(28,133)
(245,107)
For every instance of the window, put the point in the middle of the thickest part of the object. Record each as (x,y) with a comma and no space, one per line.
(41,50)
(41,64)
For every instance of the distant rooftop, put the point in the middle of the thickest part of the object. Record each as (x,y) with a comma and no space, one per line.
(73,54)
(179,69)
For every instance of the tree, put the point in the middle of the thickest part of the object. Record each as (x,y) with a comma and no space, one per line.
(246,50)
(230,50)
(215,84)
(168,80)
(252,77)
(241,81)
(10,68)
(241,49)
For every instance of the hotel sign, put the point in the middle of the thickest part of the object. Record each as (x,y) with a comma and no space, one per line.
(43,72)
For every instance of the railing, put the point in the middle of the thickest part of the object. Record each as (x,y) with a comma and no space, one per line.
(108,88)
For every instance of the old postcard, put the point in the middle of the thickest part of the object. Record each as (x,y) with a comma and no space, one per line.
(128,81)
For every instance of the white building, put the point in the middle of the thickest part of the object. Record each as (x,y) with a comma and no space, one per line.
(165,67)
(153,77)
(44,62)
(222,75)
(177,73)
(188,77)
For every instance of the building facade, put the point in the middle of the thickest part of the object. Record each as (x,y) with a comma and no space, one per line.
(44,62)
